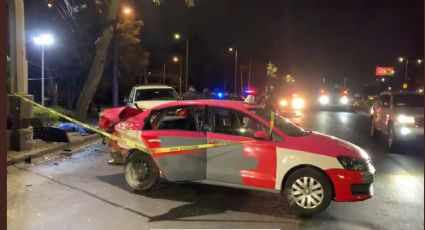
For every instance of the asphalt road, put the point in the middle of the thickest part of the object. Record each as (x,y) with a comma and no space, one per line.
(83,192)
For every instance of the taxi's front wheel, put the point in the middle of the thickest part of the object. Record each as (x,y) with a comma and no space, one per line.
(140,171)
(308,191)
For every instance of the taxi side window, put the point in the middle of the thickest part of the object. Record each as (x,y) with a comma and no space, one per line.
(232,122)
(385,100)
(177,118)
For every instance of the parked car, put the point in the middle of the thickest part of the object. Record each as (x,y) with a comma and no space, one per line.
(400,116)
(309,169)
(148,96)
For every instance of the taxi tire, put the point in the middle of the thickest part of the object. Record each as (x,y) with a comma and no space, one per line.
(318,176)
(152,178)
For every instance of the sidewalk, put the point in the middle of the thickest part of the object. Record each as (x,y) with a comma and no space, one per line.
(41,148)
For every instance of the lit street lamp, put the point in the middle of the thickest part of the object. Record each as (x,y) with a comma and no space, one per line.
(43,40)
(177,37)
(126,10)
(236,64)
(176,60)
(401,59)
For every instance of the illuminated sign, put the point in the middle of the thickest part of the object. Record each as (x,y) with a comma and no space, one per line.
(384,71)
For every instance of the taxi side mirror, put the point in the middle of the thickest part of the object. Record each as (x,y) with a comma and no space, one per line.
(262,135)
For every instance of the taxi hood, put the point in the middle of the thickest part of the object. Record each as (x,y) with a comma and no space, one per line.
(318,143)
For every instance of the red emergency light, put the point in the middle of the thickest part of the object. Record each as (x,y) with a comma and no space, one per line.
(250,91)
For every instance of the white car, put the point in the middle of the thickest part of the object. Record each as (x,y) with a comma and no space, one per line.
(147,96)
(400,116)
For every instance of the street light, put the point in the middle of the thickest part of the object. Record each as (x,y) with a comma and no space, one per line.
(236,65)
(177,37)
(176,60)
(43,40)
(419,61)
(126,10)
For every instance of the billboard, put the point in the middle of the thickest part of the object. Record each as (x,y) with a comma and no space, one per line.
(384,71)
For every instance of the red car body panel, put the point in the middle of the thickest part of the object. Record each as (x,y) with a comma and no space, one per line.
(342,180)
(260,163)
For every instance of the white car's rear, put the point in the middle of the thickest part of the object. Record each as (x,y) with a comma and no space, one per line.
(148,96)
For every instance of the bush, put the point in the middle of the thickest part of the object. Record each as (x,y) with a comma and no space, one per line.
(48,118)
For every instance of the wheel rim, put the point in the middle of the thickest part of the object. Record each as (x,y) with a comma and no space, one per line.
(137,172)
(307,192)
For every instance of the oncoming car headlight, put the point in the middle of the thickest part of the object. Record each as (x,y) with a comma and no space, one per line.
(405,119)
(298,103)
(324,99)
(344,100)
(352,163)
(283,103)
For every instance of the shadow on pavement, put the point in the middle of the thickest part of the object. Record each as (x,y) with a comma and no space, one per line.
(209,199)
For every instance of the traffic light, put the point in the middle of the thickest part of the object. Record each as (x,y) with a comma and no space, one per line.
(405,85)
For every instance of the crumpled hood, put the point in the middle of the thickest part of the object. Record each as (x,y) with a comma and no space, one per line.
(110,116)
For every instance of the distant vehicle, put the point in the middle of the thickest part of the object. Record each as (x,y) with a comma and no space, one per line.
(147,96)
(309,169)
(335,99)
(400,116)
(291,104)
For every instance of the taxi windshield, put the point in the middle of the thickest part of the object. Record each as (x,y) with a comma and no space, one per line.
(285,125)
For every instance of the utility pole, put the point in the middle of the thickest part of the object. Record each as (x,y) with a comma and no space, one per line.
(249,74)
(236,68)
(241,70)
(115,74)
(19,112)
(163,78)
(187,62)
(180,77)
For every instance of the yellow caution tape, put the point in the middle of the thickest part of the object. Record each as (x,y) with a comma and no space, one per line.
(129,142)
(271,121)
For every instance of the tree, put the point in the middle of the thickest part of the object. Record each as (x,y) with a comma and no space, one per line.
(132,59)
(101,54)
(98,65)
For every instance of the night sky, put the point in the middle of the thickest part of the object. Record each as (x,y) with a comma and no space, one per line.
(309,39)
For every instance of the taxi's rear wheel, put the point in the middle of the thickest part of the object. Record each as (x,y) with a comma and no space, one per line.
(308,191)
(140,171)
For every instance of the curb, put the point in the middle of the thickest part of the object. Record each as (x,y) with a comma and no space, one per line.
(11,160)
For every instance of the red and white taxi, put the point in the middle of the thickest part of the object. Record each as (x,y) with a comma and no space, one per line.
(310,169)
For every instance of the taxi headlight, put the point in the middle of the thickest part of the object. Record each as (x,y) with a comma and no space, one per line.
(352,163)
(298,103)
